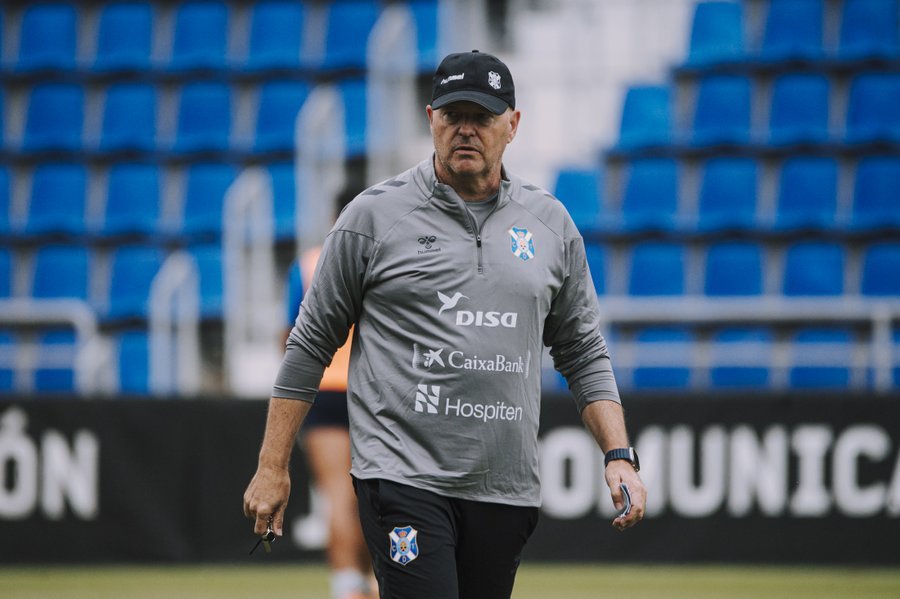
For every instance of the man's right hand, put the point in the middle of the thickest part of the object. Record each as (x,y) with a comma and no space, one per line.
(266,498)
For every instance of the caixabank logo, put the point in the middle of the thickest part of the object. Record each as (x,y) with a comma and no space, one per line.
(428,401)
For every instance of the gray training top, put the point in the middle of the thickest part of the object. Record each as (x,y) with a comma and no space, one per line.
(444,382)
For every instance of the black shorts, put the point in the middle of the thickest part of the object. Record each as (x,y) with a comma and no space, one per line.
(329,409)
(426,545)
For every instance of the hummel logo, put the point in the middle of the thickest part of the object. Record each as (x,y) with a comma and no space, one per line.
(448,303)
(426,401)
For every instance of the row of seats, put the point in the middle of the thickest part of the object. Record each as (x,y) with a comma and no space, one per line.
(204,121)
(281,35)
(739,268)
(71,271)
(800,111)
(729,192)
(794,30)
(133,202)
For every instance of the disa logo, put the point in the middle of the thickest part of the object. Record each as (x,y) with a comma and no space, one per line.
(478,318)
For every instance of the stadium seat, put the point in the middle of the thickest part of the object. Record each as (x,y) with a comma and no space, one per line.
(7,362)
(646,117)
(799,111)
(205,198)
(353,93)
(814,268)
(425,15)
(717,33)
(657,268)
(55,117)
(60,271)
(728,194)
(47,37)
(279,104)
(580,191)
(793,30)
(284,196)
(875,202)
(819,359)
(57,203)
(656,345)
(132,271)
(881,270)
(596,260)
(129,118)
(722,114)
(56,357)
(204,117)
(125,37)
(872,115)
(733,268)
(6,273)
(201,36)
(133,351)
(4,201)
(132,200)
(276,34)
(347,33)
(869,29)
(753,350)
(807,194)
(650,199)
(208,258)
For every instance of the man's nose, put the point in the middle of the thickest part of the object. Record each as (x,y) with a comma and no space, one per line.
(467,123)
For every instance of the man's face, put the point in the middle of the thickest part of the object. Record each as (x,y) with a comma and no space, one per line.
(469,140)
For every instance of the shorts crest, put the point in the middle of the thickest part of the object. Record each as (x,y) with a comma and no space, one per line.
(404,545)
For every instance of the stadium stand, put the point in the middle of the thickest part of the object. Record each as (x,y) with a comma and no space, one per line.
(276,35)
(55,117)
(57,205)
(132,201)
(124,37)
(129,118)
(47,37)
(793,30)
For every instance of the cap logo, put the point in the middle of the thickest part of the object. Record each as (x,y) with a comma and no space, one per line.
(494,80)
(453,78)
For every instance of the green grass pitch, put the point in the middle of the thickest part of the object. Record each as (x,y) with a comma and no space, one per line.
(535,581)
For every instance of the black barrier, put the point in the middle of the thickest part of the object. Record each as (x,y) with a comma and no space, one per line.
(773,479)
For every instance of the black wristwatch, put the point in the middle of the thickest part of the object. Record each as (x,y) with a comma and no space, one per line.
(626,453)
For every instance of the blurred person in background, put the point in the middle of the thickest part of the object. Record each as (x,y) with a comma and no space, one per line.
(452,276)
(325,438)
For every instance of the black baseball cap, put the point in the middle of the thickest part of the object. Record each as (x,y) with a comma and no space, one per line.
(473,77)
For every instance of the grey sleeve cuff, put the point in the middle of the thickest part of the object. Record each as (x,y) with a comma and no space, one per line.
(299,375)
(594,383)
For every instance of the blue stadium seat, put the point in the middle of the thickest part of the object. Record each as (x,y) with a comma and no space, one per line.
(869,29)
(125,37)
(580,191)
(793,30)
(132,200)
(799,109)
(133,351)
(872,114)
(7,362)
(279,104)
(205,198)
(734,268)
(61,271)
(674,342)
(131,274)
(276,34)
(204,117)
(881,270)
(425,15)
(284,194)
(56,359)
(129,118)
(293,292)
(47,37)
(646,117)
(728,195)
(347,33)
(6,273)
(55,117)
(807,194)
(201,36)
(353,93)
(717,33)
(722,114)
(596,260)
(208,258)
(754,348)
(833,346)
(814,268)
(650,199)
(4,201)
(57,203)
(875,194)
(657,268)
